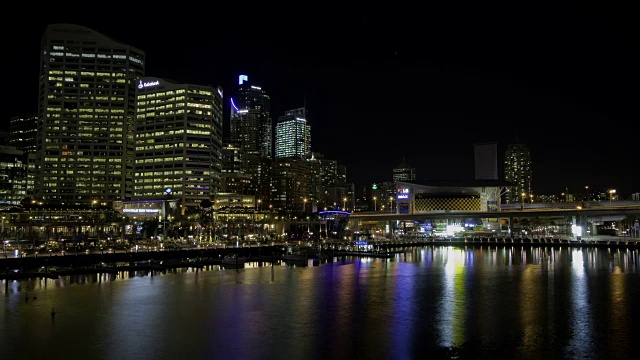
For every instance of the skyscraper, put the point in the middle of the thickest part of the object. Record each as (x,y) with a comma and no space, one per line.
(178,141)
(250,123)
(486,161)
(517,171)
(293,135)
(23,134)
(86,115)
(404,172)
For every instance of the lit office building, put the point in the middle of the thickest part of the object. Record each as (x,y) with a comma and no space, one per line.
(86,116)
(289,177)
(233,179)
(293,135)
(250,123)
(178,141)
(517,171)
(404,172)
(13,176)
(23,134)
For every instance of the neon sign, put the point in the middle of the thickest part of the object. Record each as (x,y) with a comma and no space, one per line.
(242,78)
(403,197)
(141,210)
(147,84)
(403,191)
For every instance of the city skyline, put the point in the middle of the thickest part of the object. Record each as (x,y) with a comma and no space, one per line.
(382,90)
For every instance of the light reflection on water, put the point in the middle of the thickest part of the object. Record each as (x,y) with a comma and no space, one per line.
(483,302)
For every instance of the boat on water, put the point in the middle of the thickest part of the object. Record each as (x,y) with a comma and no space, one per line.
(301,255)
(233,261)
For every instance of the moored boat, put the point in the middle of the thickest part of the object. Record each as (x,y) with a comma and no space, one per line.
(233,260)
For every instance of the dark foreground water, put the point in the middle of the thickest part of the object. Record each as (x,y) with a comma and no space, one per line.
(429,303)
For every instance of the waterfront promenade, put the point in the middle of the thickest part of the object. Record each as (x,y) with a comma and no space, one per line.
(54,264)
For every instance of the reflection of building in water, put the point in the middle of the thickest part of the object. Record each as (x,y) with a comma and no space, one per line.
(335,223)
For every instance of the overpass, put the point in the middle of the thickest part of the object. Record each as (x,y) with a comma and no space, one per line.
(582,214)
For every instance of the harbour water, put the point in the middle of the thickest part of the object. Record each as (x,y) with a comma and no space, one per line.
(436,302)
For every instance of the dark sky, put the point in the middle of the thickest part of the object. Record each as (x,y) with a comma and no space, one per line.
(423,84)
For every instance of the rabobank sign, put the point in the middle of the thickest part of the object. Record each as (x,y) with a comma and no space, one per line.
(147,84)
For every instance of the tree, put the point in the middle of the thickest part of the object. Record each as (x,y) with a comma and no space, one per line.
(26,202)
(206,203)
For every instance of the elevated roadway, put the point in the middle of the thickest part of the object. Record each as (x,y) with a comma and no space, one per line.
(602,211)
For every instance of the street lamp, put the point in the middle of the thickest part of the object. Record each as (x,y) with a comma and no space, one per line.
(375,203)
(304,208)
(586,188)
(344,204)
(390,204)
(611,194)
(259,204)
(522,199)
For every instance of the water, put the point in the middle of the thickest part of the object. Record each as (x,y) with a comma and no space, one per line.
(431,302)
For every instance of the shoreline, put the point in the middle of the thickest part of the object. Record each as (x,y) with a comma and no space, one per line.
(53,266)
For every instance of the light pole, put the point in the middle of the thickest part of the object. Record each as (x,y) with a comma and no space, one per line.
(522,200)
(259,205)
(304,207)
(375,203)
(586,188)
(611,194)
(344,204)
(390,204)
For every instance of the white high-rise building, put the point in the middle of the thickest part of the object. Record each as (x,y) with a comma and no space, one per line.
(293,135)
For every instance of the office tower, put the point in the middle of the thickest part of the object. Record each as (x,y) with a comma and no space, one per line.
(289,190)
(23,132)
(486,161)
(404,172)
(178,141)
(13,176)
(293,135)
(233,179)
(23,135)
(517,171)
(250,123)
(86,115)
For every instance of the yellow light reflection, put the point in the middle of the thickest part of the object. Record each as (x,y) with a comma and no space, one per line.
(451,322)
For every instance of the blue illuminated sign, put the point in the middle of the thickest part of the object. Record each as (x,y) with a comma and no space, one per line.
(362,243)
(242,78)
(403,196)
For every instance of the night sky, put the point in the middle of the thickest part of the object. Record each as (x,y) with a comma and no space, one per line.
(422,84)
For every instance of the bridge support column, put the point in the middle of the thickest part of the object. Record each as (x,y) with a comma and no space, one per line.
(510,224)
